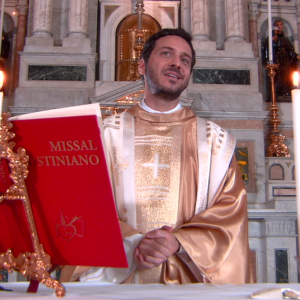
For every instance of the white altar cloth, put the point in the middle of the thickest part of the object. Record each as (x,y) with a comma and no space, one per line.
(78,290)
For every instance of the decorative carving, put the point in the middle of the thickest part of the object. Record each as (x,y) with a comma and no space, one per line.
(37,264)
(253,12)
(22,8)
(133,98)
(284,228)
(277,147)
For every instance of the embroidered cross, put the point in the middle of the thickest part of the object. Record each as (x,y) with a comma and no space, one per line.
(156,165)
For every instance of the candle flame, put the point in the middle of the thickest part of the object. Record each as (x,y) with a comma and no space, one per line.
(1,79)
(296,78)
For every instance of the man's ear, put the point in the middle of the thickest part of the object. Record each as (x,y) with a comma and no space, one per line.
(142,67)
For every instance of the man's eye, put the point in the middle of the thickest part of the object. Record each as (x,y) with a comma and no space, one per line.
(185,61)
(166,53)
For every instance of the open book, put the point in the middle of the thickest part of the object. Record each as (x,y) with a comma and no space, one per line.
(69,190)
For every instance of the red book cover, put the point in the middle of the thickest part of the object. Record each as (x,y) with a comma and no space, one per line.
(70,194)
(5,181)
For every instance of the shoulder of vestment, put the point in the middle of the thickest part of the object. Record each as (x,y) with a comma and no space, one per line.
(216,137)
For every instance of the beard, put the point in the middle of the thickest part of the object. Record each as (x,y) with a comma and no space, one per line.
(157,89)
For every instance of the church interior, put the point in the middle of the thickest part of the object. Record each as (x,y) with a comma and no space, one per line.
(60,53)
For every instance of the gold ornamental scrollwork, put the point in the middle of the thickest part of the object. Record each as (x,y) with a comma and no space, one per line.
(277,146)
(35,265)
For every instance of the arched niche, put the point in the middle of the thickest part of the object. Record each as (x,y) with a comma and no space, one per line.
(264,31)
(7,35)
(159,10)
(287,28)
(127,57)
(276,172)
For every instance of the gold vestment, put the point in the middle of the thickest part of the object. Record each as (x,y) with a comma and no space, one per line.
(179,170)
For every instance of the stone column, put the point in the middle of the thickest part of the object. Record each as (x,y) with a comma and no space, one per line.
(220,23)
(200,20)
(235,31)
(42,18)
(186,15)
(22,8)
(12,65)
(253,15)
(298,26)
(77,39)
(78,18)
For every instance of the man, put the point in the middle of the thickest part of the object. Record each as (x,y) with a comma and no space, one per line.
(179,194)
(286,58)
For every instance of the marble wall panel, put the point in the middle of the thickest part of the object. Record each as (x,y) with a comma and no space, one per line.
(223,100)
(219,76)
(258,244)
(269,231)
(226,75)
(284,191)
(256,229)
(285,205)
(282,266)
(63,60)
(36,99)
(60,73)
(283,243)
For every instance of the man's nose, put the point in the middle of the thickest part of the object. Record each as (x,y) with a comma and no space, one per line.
(176,61)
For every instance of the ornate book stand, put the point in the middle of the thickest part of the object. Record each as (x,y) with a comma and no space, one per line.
(35,265)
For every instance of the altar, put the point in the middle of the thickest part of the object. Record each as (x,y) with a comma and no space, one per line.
(79,290)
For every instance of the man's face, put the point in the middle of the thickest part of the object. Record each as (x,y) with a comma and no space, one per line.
(168,69)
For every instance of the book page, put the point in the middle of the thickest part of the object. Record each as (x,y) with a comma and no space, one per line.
(79,110)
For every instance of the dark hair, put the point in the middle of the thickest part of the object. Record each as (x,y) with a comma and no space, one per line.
(150,43)
(277,20)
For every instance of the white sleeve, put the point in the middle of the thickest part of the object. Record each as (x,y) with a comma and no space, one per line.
(115,275)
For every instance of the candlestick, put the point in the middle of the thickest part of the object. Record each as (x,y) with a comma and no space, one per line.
(296,129)
(270,32)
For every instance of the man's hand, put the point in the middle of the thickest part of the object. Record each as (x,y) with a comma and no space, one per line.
(155,248)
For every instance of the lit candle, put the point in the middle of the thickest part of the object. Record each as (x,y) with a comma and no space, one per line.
(296,127)
(1,93)
(270,32)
